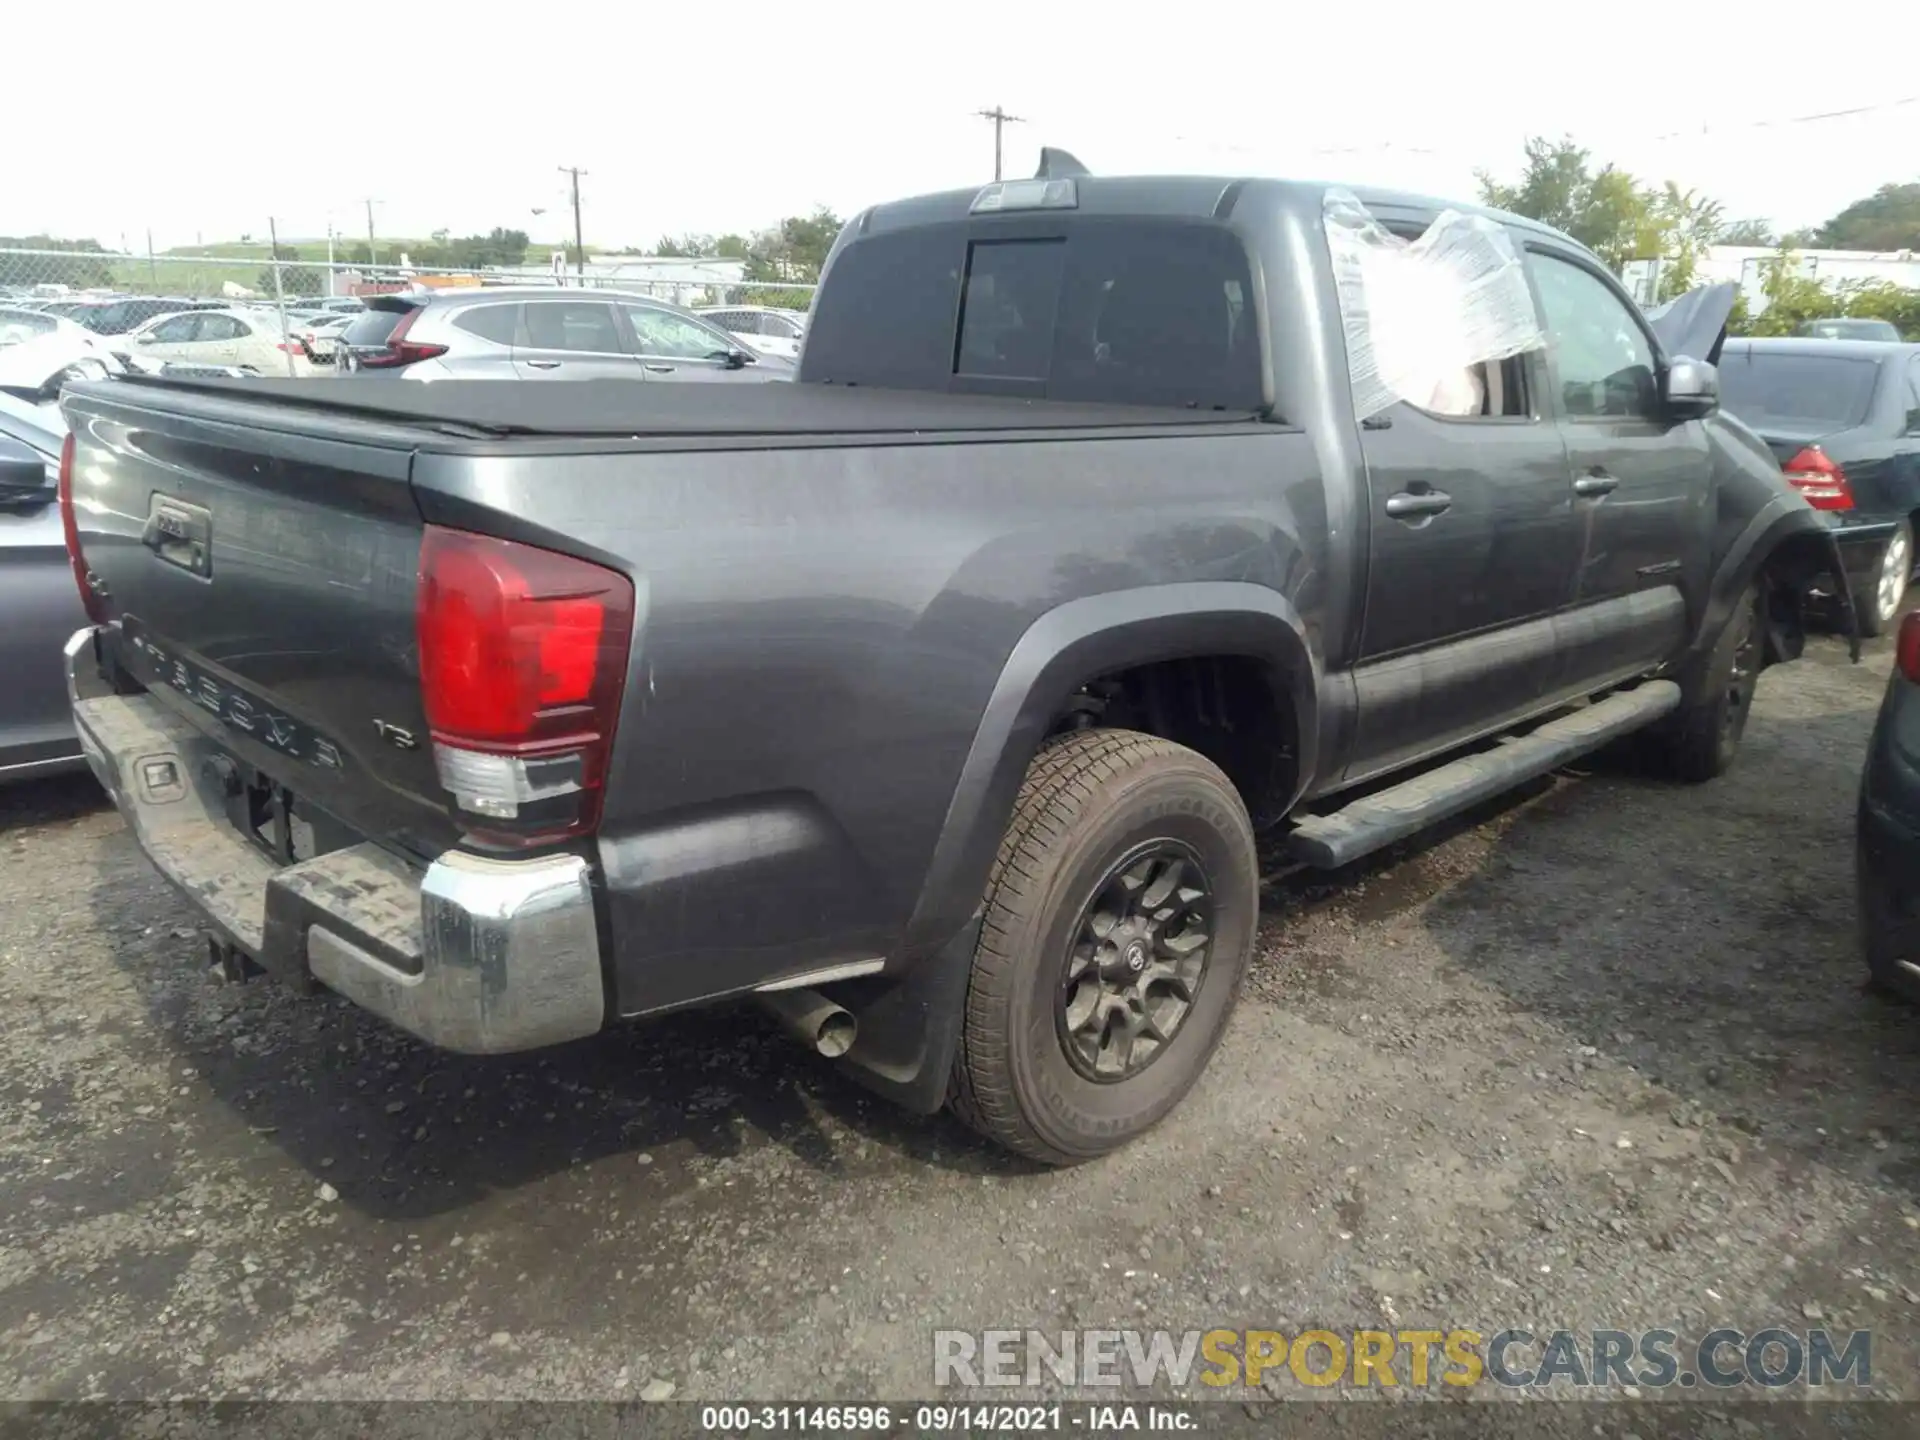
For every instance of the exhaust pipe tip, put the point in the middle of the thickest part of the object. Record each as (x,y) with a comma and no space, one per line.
(835,1036)
(814,1020)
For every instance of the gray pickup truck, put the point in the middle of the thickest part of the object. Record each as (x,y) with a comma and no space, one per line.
(935,700)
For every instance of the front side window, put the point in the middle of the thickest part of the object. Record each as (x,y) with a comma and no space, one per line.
(675,337)
(1605,360)
(180,330)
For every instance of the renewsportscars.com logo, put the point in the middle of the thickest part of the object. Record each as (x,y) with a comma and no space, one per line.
(1771,1358)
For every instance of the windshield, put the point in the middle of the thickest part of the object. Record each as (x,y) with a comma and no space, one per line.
(21,325)
(1850,330)
(1761,386)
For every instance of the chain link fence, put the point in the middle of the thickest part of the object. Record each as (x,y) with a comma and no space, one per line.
(64,280)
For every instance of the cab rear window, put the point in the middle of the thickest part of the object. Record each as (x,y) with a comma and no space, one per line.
(1125,311)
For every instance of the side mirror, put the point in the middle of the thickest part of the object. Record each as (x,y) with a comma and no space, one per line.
(1691,388)
(23,475)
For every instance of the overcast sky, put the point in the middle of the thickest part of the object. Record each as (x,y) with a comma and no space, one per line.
(203,119)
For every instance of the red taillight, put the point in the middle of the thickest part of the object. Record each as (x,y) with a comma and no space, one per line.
(523,653)
(400,350)
(1906,649)
(1823,483)
(96,612)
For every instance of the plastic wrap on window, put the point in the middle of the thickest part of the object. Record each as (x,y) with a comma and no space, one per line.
(1423,317)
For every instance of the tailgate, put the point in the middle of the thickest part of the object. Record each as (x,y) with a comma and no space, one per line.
(260,565)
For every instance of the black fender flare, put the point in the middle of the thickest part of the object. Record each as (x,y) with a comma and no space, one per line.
(1785,526)
(910,1016)
(1063,649)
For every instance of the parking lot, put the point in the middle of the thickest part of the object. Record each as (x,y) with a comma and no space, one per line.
(1602,1057)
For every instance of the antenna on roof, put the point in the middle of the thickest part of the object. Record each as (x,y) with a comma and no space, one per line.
(1058,165)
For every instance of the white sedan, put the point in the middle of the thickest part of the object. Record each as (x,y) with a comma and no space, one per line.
(767,330)
(246,341)
(40,352)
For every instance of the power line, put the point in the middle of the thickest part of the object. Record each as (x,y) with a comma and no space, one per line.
(1001,119)
(1792,119)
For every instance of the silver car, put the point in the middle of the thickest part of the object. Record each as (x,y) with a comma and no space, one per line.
(39,597)
(528,333)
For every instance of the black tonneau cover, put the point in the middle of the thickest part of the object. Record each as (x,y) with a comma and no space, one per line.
(666,408)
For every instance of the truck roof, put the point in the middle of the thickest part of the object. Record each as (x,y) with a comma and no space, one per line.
(1183,196)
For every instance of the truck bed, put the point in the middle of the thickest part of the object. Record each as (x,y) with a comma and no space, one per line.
(662,410)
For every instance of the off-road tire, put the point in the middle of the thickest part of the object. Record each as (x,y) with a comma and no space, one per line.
(1089,799)
(1703,735)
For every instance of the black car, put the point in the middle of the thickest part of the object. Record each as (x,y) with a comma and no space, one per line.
(1843,416)
(1887,827)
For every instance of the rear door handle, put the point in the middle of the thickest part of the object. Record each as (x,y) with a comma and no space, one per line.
(659,369)
(1409,506)
(1598,483)
(543,364)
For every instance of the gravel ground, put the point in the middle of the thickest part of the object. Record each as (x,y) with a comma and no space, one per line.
(1601,1057)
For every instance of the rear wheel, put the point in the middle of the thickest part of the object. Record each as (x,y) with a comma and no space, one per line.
(1876,601)
(1703,735)
(1888,930)
(1119,920)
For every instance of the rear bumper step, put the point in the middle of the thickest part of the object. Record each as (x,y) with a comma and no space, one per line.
(469,953)
(1380,819)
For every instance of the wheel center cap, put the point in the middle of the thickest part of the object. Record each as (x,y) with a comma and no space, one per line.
(1136,956)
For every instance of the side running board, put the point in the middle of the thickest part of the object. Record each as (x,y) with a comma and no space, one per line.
(1329,841)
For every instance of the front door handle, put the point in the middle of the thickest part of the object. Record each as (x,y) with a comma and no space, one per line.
(1410,506)
(660,369)
(1598,483)
(543,364)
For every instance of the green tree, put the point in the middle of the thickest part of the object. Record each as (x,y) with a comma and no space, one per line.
(1678,226)
(1611,212)
(1606,210)
(78,272)
(1882,300)
(689,246)
(1888,219)
(1748,232)
(1792,298)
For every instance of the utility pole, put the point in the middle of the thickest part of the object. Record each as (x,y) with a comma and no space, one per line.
(1001,119)
(372,258)
(153,269)
(579,246)
(279,291)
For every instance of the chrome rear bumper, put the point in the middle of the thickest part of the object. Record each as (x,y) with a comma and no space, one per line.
(469,953)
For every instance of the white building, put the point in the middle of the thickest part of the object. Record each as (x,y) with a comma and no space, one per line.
(679,279)
(1747,264)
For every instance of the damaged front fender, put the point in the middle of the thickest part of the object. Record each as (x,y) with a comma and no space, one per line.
(1784,543)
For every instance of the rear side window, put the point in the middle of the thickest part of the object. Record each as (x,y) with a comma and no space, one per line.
(1133,312)
(1835,390)
(572,325)
(489,322)
(370,328)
